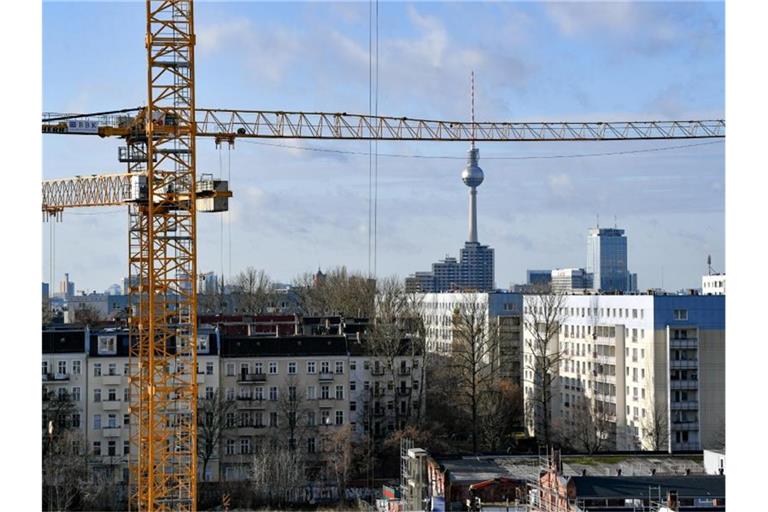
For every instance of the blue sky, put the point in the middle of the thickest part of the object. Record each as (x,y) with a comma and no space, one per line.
(295,210)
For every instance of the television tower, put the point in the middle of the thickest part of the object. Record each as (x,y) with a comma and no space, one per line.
(472,175)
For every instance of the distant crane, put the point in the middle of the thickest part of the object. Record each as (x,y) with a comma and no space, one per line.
(163,195)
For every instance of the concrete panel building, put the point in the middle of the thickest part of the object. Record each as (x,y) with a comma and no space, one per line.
(654,363)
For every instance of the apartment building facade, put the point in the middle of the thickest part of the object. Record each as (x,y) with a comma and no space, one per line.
(308,391)
(652,366)
(502,311)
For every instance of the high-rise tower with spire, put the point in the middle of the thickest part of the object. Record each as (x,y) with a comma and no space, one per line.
(475,269)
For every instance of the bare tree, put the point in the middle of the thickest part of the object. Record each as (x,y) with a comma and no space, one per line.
(340,458)
(338,292)
(211,425)
(65,468)
(655,429)
(474,357)
(292,408)
(591,426)
(87,315)
(253,290)
(500,413)
(277,475)
(397,331)
(544,314)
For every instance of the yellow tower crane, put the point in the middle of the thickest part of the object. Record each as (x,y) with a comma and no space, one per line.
(163,196)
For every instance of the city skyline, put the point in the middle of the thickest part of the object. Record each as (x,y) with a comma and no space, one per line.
(535,210)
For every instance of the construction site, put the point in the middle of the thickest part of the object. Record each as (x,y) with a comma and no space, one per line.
(162,189)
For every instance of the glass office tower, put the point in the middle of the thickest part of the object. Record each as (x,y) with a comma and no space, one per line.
(607,260)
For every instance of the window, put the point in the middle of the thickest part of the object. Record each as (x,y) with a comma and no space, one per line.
(681,314)
(76,394)
(634,313)
(273,393)
(126,447)
(230,369)
(352,406)
(340,392)
(202,343)
(126,419)
(112,421)
(76,420)
(339,417)
(292,368)
(126,369)
(230,393)
(366,365)
(229,420)
(352,385)
(325,392)
(96,421)
(112,394)
(244,369)
(311,367)
(62,367)
(272,368)
(245,445)
(273,419)
(209,368)
(45,367)
(325,417)
(311,418)
(97,447)
(126,394)
(97,369)
(230,447)
(292,393)
(352,365)
(311,395)
(209,392)
(112,369)
(339,367)
(325,367)
(97,395)
(107,345)
(311,445)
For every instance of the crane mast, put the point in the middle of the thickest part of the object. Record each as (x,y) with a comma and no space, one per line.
(163,198)
(162,263)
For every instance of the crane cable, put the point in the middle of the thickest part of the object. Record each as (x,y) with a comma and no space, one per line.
(500,157)
(376,155)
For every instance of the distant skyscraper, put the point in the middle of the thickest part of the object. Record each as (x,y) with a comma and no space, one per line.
(607,260)
(113,290)
(66,288)
(538,277)
(475,268)
(46,292)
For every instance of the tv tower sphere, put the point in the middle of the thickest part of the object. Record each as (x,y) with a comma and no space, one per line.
(472,175)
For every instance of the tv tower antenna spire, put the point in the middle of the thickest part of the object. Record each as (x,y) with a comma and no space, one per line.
(472,103)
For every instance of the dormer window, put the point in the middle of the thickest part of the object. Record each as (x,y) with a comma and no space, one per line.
(107,345)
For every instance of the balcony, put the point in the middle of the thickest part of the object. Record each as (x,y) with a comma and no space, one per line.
(111,431)
(685,425)
(403,391)
(325,376)
(377,371)
(683,343)
(683,364)
(684,384)
(60,376)
(684,406)
(111,380)
(111,405)
(404,371)
(247,378)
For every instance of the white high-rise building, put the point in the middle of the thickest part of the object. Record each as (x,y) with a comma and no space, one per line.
(653,364)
